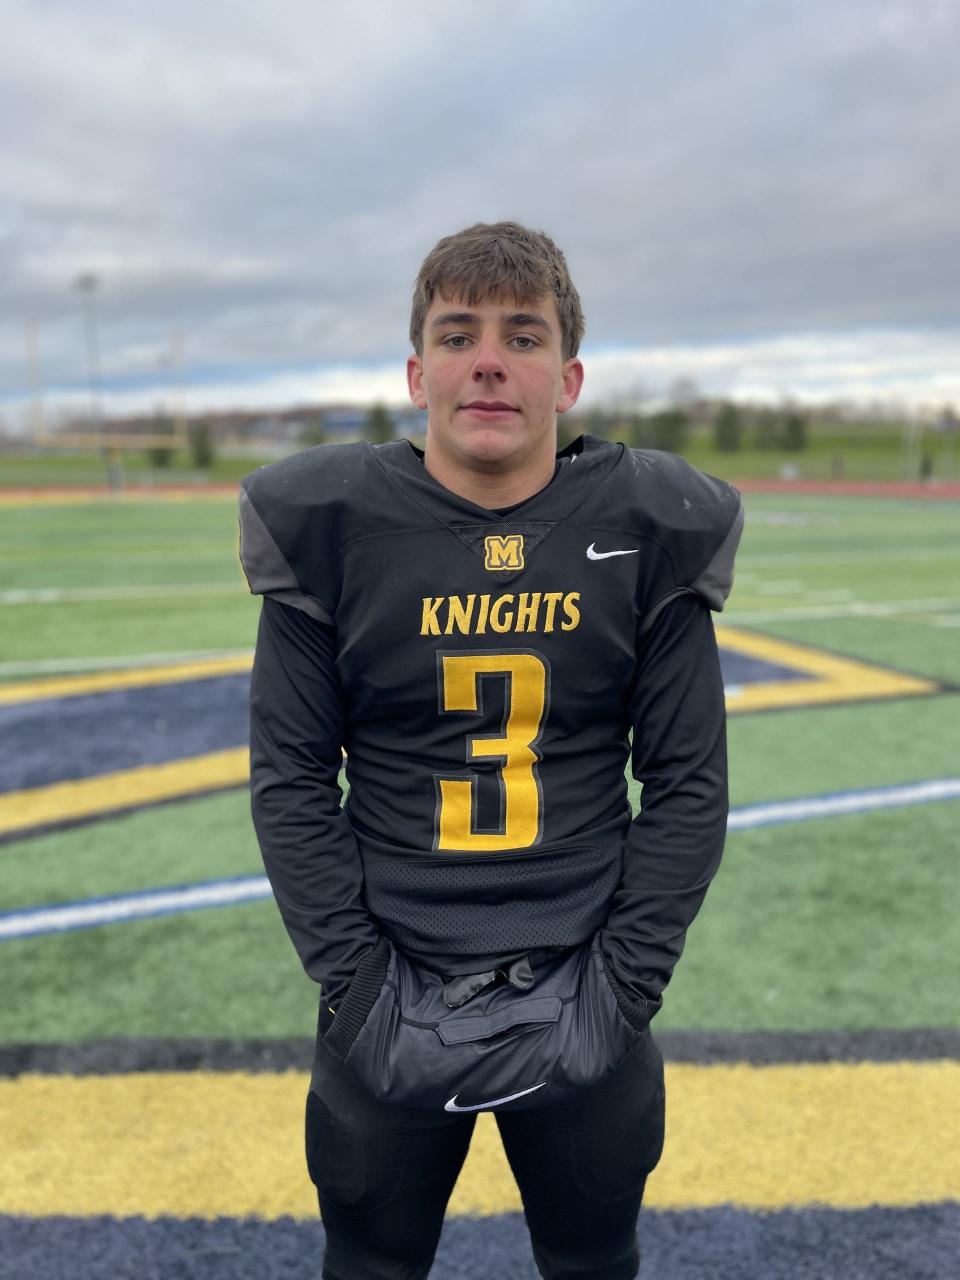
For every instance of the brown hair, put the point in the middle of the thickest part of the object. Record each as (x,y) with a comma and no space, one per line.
(490,262)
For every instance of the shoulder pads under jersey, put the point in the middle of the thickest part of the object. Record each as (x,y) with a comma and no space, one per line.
(696,520)
(294,517)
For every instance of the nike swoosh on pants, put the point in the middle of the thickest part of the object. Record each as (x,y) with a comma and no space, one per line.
(494,1102)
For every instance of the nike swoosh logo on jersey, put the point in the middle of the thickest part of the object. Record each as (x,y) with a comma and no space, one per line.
(494,1102)
(593,554)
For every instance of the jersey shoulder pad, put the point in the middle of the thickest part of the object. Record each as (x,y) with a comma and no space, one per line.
(294,517)
(695,518)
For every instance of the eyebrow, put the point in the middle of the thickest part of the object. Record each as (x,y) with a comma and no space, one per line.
(466,319)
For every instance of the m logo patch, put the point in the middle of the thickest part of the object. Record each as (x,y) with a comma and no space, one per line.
(503,553)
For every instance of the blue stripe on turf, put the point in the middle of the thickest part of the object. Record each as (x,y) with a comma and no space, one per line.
(921,1242)
(740,669)
(50,740)
(62,739)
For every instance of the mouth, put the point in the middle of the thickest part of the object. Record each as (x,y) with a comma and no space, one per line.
(489,408)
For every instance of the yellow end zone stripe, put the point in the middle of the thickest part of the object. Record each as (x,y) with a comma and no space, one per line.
(133,678)
(125,789)
(205,1144)
(833,678)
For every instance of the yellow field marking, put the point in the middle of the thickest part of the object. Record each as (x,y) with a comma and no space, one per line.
(132,678)
(204,1144)
(125,789)
(833,679)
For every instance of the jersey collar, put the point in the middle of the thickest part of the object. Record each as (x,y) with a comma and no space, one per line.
(583,465)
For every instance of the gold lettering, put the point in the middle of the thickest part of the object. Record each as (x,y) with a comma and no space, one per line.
(527,609)
(429,626)
(571,610)
(474,614)
(552,599)
(497,622)
(460,615)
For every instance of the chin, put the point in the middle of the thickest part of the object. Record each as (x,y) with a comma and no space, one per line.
(489,444)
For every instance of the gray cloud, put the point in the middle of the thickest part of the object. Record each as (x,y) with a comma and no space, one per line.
(266,179)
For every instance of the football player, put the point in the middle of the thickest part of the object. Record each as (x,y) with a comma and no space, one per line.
(489,629)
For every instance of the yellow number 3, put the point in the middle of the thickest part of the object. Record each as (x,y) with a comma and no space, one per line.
(526,706)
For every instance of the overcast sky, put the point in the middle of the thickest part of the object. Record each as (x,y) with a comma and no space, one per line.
(762,195)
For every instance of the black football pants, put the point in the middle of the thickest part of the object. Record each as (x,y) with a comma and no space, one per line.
(384,1173)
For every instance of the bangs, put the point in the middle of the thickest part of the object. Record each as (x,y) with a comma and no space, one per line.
(499,262)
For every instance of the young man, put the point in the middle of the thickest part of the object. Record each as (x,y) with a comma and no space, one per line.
(482,626)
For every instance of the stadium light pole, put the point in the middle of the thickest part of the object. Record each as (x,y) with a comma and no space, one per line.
(36,384)
(87,284)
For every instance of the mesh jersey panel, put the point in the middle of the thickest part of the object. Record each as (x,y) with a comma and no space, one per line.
(548,898)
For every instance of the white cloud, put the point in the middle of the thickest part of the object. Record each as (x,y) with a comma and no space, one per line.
(265,178)
(919,371)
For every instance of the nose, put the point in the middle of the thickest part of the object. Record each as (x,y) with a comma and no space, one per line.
(487,362)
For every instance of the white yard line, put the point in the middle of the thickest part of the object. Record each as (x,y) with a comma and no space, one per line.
(836,594)
(855,609)
(778,587)
(68,916)
(841,803)
(133,906)
(770,559)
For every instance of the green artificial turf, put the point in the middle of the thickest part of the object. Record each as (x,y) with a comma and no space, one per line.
(813,751)
(127,629)
(140,578)
(836,923)
(86,470)
(226,972)
(204,839)
(848,923)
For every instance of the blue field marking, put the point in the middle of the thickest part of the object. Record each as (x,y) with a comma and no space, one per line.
(726,1243)
(51,740)
(89,913)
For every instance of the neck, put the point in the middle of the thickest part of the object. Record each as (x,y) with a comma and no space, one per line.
(492,489)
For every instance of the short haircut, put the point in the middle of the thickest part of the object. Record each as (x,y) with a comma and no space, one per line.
(494,262)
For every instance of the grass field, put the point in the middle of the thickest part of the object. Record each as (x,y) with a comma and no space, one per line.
(835,924)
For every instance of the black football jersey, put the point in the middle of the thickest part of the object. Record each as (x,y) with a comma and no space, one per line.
(487,667)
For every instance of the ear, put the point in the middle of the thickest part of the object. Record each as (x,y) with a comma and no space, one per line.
(572,381)
(418,393)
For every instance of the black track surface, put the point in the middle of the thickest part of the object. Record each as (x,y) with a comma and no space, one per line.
(102,1057)
(920,1243)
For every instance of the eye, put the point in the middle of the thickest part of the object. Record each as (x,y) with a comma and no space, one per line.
(456,340)
(524,342)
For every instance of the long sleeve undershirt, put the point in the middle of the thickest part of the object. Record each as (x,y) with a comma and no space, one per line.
(675,842)
(309,849)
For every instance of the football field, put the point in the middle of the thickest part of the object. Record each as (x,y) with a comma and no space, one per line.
(155,1028)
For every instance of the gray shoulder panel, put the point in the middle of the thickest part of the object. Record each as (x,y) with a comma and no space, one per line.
(714,583)
(265,566)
